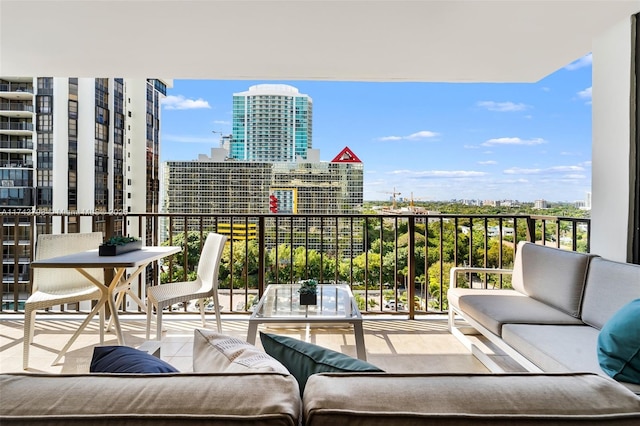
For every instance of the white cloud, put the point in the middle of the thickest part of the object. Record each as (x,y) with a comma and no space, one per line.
(585,94)
(180,102)
(471,147)
(548,170)
(487,163)
(502,106)
(438,173)
(423,134)
(513,141)
(519,171)
(222,122)
(187,139)
(585,61)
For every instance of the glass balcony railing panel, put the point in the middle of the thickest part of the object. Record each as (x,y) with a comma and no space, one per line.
(16,87)
(16,107)
(16,126)
(7,142)
(394,264)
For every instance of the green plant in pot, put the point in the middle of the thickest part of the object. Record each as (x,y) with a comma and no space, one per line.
(119,244)
(308,292)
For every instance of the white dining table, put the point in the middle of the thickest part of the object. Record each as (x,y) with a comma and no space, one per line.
(137,259)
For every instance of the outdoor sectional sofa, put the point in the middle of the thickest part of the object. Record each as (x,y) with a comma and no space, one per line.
(551,320)
(251,388)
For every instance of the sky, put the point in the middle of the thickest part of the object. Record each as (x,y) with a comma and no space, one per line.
(429,141)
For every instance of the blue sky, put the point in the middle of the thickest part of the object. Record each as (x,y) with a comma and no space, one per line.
(439,141)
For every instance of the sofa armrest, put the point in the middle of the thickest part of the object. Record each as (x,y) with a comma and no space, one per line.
(453,274)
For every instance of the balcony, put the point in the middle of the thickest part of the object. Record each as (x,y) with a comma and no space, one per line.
(17,127)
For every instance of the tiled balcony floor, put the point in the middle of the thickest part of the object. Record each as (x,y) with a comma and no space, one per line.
(395,345)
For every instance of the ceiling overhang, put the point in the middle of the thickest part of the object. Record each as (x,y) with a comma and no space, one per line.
(389,40)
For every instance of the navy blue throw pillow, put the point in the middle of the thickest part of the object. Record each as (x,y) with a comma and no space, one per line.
(123,359)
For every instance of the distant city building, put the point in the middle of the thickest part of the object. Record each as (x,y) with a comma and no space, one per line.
(76,144)
(271,123)
(540,204)
(587,201)
(213,185)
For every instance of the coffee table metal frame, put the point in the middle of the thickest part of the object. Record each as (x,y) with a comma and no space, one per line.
(280,304)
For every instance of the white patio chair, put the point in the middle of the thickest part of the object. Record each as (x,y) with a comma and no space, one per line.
(205,285)
(57,286)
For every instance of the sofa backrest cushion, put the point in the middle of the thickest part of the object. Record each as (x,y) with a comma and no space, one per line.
(610,285)
(377,399)
(553,276)
(153,399)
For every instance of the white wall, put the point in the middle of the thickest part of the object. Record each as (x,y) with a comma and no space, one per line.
(60,201)
(611,142)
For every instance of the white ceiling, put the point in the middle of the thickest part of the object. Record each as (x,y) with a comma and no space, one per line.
(385,40)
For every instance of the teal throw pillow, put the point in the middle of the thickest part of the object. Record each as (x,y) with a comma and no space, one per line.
(303,359)
(619,344)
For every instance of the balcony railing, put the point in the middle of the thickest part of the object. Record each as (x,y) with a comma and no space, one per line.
(16,87)
(405,258)
(16,126)
(15,107)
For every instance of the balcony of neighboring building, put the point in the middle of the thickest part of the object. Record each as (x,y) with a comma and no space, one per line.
(13,126)
(15,109)
(16,143)
(18,88)
(16,160)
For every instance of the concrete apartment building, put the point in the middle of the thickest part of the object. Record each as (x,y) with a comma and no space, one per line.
(219,185)
(75,145)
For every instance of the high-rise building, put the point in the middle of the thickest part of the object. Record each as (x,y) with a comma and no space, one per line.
(272,123)
(218,185)
(76,145)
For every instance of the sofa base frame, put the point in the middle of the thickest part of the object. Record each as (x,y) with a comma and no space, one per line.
(461,333)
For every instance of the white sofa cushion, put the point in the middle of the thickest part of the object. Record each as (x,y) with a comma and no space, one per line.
(555,348)
(553,276)
(151,399)
(610,285)
(494,308)
(382,399)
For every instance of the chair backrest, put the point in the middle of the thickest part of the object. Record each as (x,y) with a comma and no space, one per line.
(209,262)
(56,279)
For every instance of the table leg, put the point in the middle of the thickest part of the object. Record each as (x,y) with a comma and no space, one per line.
(99,307)
(359,333)
(252,331)
(113,307)
(124,288)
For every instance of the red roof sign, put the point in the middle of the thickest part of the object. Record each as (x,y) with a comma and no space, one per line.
(346,156)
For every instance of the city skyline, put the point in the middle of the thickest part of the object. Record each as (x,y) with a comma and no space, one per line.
(439,141)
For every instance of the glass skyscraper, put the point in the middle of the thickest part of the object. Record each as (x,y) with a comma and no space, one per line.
(271,123)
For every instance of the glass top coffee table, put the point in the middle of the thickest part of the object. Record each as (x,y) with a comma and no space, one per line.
(280,303)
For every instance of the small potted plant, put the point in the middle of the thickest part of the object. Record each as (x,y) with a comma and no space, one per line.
(118,245)
(308,292)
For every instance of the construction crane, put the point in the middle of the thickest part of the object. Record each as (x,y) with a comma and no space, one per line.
(412,206)
(393,197)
